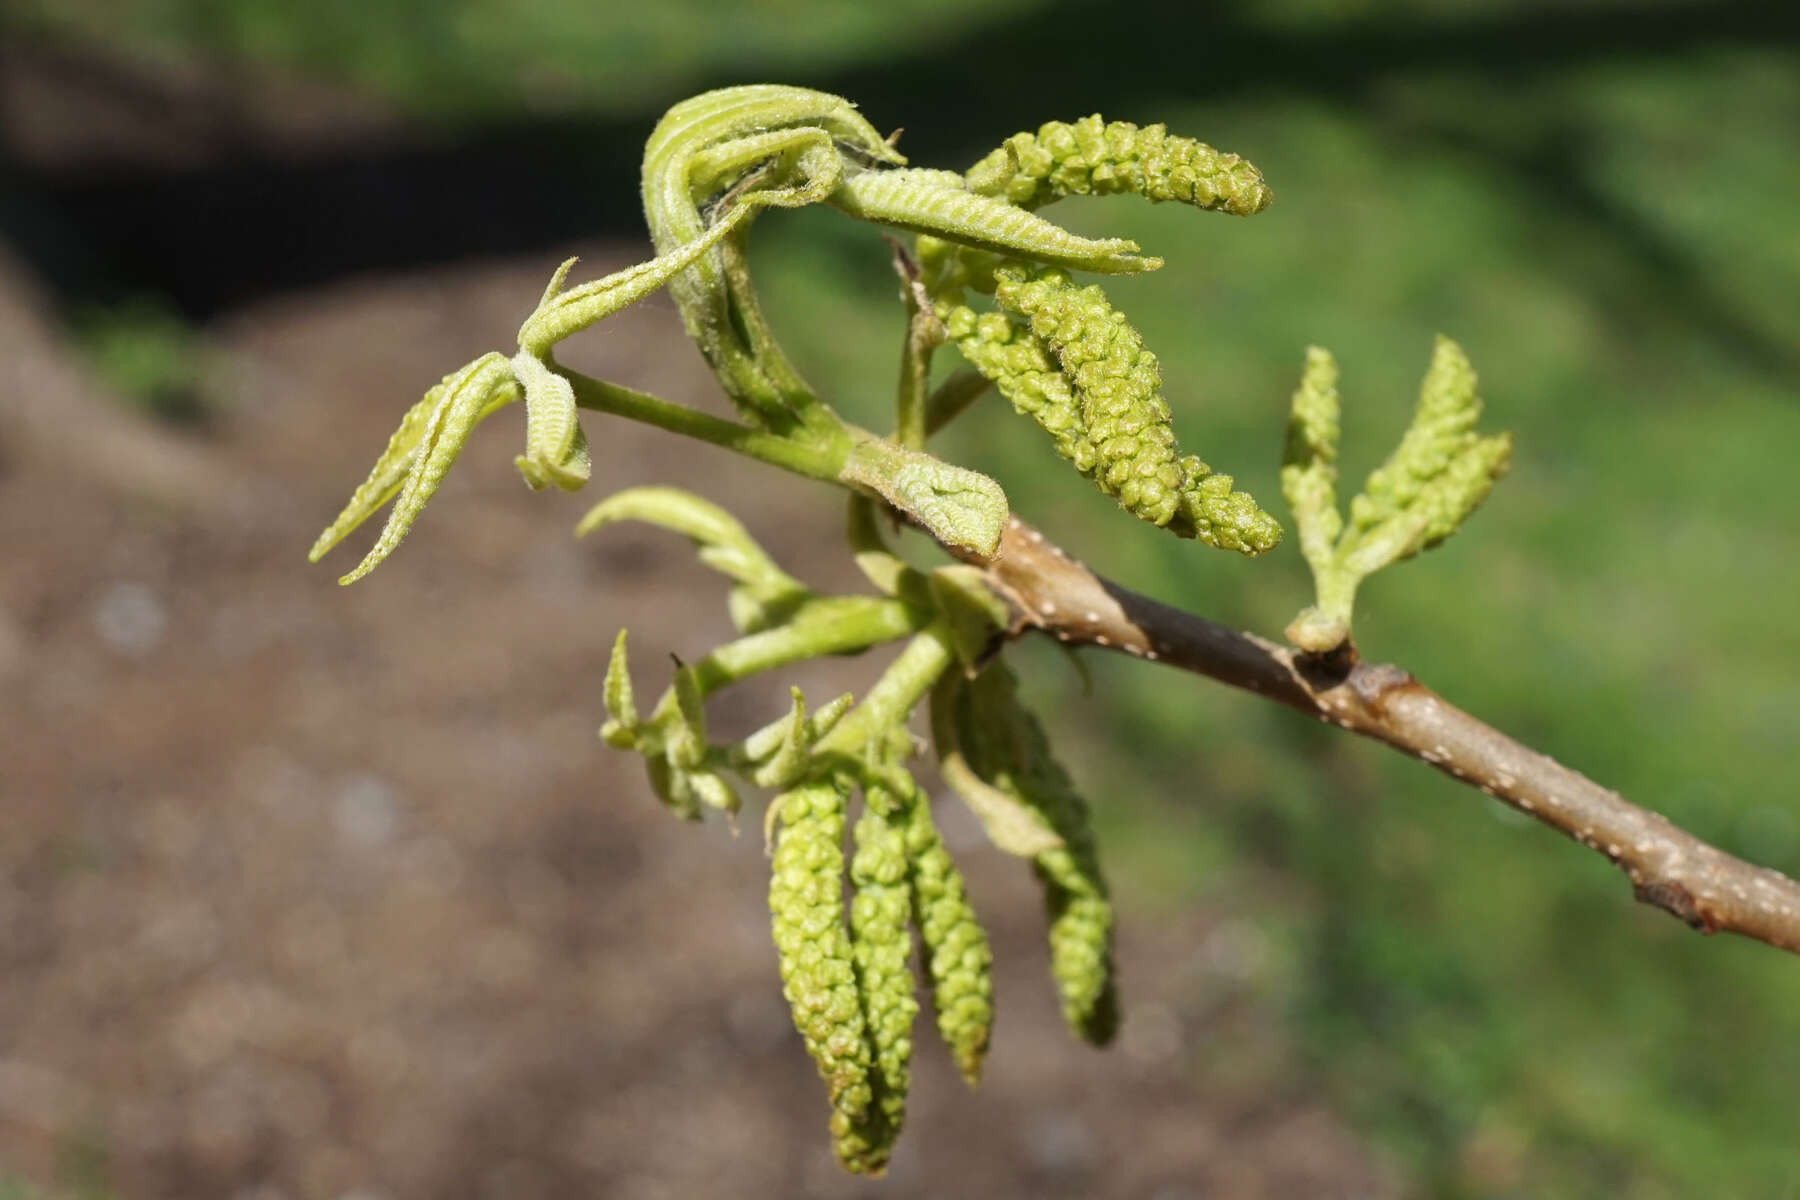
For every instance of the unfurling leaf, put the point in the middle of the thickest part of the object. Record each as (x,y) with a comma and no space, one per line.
(957,506)
(621,728)
(1011,824)
(970,610)
(765,594)
(1435,478)
(556,451)
(419,454)
(692,168)
(780,753)
(940,204)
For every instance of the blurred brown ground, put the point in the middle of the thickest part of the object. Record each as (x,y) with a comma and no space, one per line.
(309,892)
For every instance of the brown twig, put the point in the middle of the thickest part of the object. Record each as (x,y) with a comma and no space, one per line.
(1668,867)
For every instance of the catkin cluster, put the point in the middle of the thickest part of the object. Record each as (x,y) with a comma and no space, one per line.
(852,989)
(1061,354)
(1101,158)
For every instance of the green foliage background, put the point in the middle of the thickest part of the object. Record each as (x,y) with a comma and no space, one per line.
(1602,215)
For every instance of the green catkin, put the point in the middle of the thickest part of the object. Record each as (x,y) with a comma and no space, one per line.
(818,967)
(1007,746)
(1116,383)
(1092,157)
(1062,355)
(881,939)
(956,955)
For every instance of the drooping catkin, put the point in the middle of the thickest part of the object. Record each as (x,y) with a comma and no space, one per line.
(957,955)
(1062,355)
(881,940)
(1024,371)
(1005,745)
(1116,383)
(818,967)
(1099,158)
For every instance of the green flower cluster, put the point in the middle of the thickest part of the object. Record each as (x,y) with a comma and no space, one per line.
(852,992)
(1006,750)
(881,935)
(818,963)
(846,972)
(1093,157)
(957,954)
(1438,474)
(1061,354)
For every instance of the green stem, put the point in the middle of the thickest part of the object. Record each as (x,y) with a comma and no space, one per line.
(952,396)
(957,506)
(900,688)
(822,458)
(1336,590)
(924,333)
(879,565)
(836,625)
(792,403)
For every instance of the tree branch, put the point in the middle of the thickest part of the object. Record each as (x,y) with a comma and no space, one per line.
(1668,867)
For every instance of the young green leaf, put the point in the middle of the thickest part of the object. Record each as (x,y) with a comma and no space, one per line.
(556,451)
(971,611)
(401,459)
(779,755)
(621,727)
(1011,824)
(957,506)
(939,203)
(689,158)
(466,397)
(1435,478)
(685,730)
(765,595)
